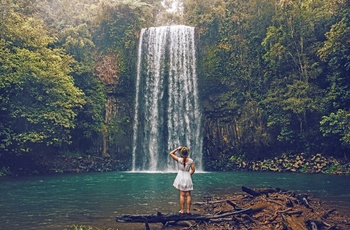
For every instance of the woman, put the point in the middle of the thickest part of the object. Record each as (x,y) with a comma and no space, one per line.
(183,180)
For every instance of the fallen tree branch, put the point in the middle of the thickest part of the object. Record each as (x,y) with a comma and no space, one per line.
(209,202)
(163,218)
(250,191)
(233,204)
(325,216)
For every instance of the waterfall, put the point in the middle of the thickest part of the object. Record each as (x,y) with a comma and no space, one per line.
(167,112)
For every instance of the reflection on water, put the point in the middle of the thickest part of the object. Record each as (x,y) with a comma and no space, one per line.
(57,202)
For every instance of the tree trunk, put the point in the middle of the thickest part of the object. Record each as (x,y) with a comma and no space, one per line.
(163,218)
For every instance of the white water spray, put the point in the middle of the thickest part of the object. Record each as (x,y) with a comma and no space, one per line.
(167,112)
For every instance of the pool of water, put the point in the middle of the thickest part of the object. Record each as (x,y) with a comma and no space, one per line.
(95,199)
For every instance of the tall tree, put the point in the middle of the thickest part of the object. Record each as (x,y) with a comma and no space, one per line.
(230,49)
(77,41)
(38,96)
(335,125)
(293,103)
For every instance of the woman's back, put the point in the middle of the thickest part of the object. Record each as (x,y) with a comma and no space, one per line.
(187,166)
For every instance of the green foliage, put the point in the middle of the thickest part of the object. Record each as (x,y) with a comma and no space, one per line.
(59,15)
(276,73)
(293,71)
(39,99)
(77,41)
(49,98)
(304,169)
(230,55)
(336,47)
(234,159)
(337,124)
(334,169)
(336,53)
(119,25)
(90,117)
(278,67)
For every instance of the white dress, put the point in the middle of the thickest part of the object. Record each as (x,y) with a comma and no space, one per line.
(183,180)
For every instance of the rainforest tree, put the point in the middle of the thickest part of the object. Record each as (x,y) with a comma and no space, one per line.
(39,100)
(273,75)
(277,72)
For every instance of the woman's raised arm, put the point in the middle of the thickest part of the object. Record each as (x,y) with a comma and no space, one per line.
(172,153)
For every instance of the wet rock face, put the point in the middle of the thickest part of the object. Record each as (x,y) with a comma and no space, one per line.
(219,140)
(230,129)
(224,141)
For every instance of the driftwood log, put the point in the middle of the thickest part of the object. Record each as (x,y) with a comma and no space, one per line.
(163,218)
(267,208)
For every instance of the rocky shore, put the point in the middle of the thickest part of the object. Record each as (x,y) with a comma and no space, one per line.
(46,164)
(300,163)
(57,164)
(68,164)
(294,163)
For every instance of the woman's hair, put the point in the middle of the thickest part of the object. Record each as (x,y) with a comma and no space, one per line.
(184,152)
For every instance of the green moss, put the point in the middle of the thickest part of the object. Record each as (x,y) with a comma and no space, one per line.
(236,159)
(304,169)
(333,169)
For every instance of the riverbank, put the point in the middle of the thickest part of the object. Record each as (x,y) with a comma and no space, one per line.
(58,164)
(264,208)
(300,163)
(95,199)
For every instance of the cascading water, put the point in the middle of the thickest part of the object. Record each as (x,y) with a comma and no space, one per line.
(167,112)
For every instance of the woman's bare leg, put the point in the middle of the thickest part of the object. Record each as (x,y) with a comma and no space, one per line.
(182,201)
(188,201)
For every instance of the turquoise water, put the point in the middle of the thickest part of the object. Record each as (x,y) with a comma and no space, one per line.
(58,202)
